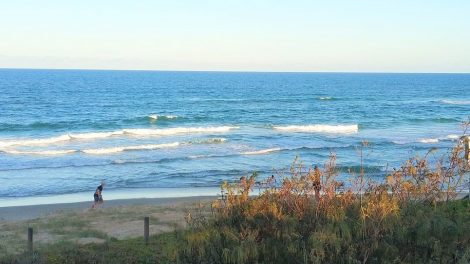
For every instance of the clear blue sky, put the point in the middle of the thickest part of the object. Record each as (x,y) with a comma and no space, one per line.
(255,35)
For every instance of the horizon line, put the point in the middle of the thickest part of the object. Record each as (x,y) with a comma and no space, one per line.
(228,71)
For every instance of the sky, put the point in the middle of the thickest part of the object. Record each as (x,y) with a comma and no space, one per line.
(237,35)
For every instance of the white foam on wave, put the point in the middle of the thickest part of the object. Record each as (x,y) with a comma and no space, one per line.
(96,135)
(124,132)
(153,146)
(325,98)
(156,117)
(217,140)
(177,130)
(343,129)
(261,152)
(57,139)
(400,142)
(104,150)
(117,149)
(429,140)
(209,141)
(42,152)
(34,142)
(452,137)
(456,102)
(128,148)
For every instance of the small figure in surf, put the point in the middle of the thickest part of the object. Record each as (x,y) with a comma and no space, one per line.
(98,195)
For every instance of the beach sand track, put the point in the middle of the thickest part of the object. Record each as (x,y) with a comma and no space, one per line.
(76,223)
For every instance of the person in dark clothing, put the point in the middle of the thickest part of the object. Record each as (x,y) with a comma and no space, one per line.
(98,196)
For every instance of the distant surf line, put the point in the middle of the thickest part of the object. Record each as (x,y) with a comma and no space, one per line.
(190,157)
(124,132)
(117,149)
(149,132)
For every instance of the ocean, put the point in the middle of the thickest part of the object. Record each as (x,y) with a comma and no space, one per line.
(63,131)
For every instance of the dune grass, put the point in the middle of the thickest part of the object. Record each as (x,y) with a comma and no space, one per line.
(412,217)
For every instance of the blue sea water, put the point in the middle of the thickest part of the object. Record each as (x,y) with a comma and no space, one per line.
(63,131)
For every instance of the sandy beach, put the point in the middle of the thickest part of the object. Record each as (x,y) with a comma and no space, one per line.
(28,212)
(77,223)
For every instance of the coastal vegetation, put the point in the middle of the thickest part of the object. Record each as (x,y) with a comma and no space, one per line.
(308,215)
(411,217)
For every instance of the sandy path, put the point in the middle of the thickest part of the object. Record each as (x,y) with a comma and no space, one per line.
(76,222)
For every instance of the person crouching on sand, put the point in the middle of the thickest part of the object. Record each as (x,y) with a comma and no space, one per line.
(98,196)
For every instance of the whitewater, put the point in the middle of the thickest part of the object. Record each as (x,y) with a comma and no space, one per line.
(145,129)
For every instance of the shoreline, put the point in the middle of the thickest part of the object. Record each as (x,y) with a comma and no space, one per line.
(29,212)
(109,195)
(34,211)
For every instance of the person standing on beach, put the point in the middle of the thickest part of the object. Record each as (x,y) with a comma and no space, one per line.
(98,196)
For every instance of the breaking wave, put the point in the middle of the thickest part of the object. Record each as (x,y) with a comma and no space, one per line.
(339,129)
(327,98)
(261,152)
(111,150)
(124,132)
(209,141)
(41,152)
(429,140)
(95,135)
(456,102)
(34,142)
(177,130)
(452,137)
(162,117)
